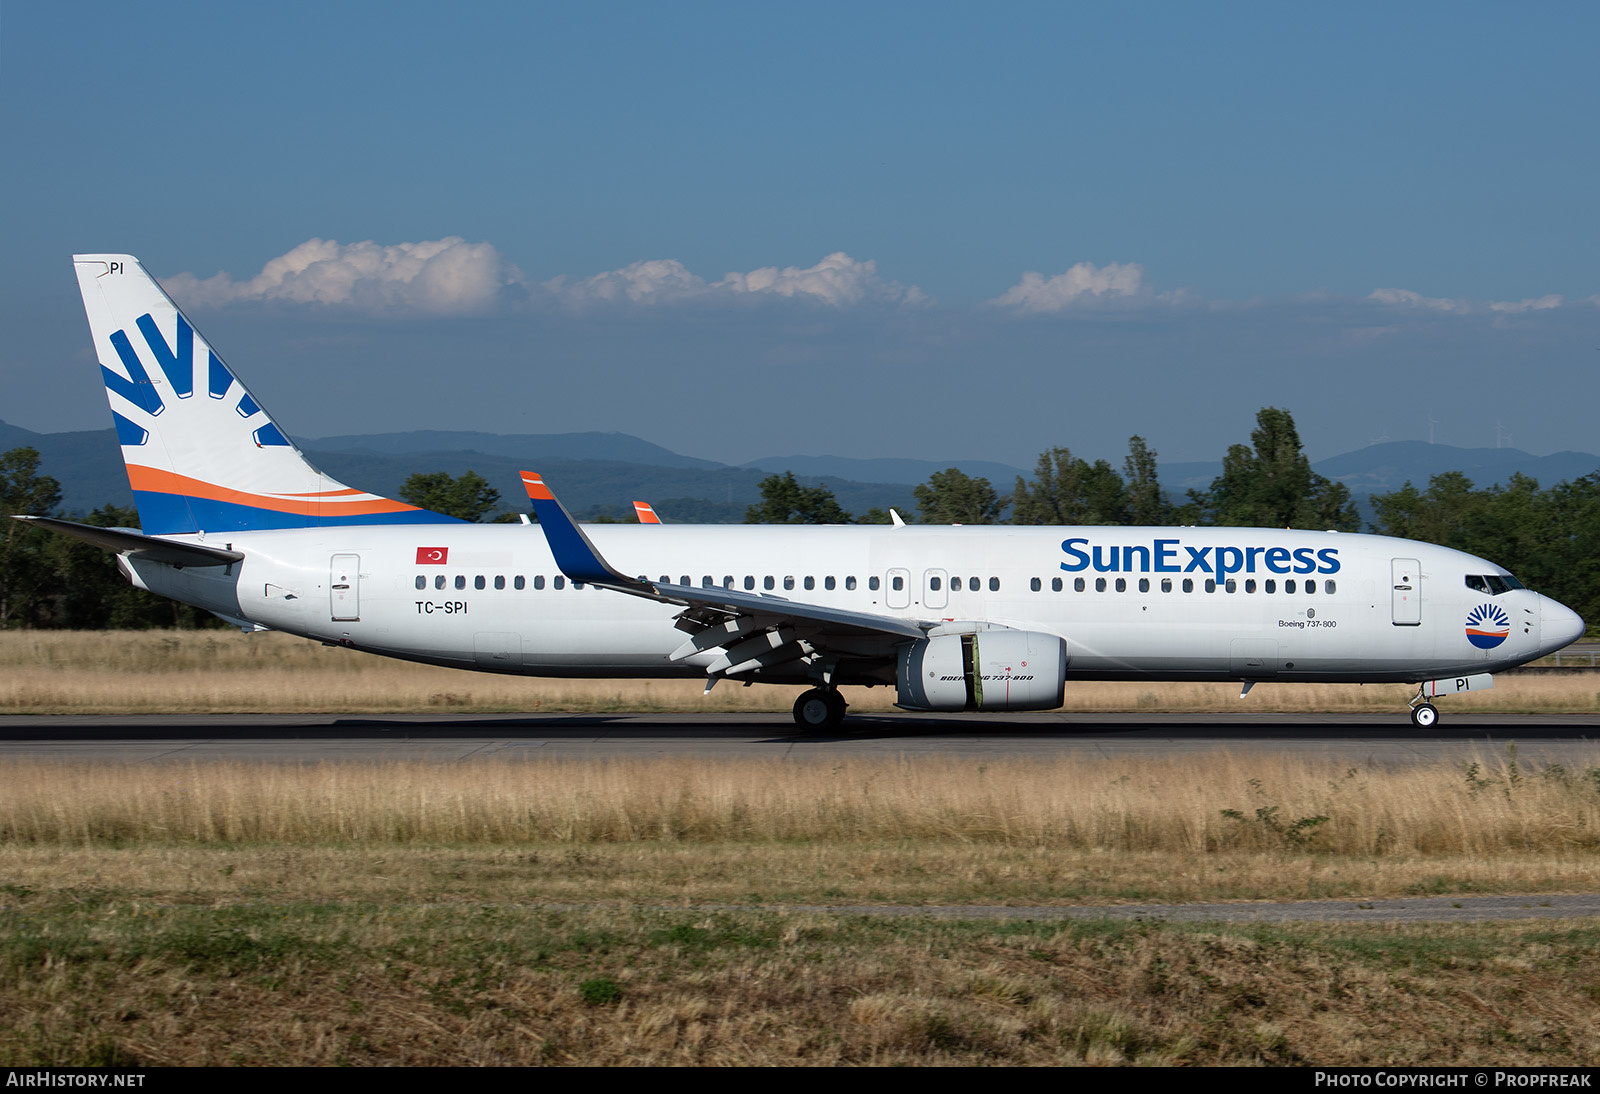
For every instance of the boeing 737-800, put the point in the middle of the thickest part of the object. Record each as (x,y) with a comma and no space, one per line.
(234,520)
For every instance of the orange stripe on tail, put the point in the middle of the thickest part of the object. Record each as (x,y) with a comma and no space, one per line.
(156,481)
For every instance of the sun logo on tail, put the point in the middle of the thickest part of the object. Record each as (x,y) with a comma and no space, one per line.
(1487,626)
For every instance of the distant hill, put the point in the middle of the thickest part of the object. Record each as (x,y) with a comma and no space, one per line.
(601,473)
(520,446)
(592,487)
(1380,468)
(1003,477)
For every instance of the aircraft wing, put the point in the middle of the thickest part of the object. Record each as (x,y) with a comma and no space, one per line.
(755,630)
(127,542)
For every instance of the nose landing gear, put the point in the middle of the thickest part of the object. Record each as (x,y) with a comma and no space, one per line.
(1423,714)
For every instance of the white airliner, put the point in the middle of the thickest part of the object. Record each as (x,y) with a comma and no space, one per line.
(235,521)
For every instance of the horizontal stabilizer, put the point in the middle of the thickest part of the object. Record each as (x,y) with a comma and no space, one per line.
(126,542)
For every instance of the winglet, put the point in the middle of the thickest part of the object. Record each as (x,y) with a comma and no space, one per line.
(573,552)
(646,514)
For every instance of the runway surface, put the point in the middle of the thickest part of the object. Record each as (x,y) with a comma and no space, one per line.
(1572,739)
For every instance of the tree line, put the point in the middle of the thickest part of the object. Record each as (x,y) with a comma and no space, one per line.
(1267,483)
(1548,537)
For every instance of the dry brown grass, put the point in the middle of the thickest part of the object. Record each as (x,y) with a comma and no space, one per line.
(557,912)
(58,672)
(1197,826)
(93,977)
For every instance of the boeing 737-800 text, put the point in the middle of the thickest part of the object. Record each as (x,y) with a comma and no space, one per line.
(234,520)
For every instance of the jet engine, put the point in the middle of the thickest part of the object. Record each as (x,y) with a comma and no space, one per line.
(988,670)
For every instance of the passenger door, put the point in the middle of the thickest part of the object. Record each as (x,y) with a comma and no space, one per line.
(1405,602)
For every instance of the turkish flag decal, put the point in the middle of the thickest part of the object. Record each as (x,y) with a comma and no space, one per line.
(432,556)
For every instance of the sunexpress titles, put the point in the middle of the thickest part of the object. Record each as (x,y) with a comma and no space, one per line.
(1173,556)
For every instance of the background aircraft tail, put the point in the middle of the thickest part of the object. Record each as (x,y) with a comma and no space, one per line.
(202,455)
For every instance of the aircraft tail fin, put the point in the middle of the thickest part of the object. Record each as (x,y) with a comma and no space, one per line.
(202,455)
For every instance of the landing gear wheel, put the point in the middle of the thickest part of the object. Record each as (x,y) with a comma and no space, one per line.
(819,710)
(1424,715)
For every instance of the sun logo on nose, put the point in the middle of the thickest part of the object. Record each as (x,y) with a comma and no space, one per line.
(1487,626)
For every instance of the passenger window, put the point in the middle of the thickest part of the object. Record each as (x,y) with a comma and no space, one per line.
(479,582)
(788,581)
(1232,586)
(1099,584)
(933,583)
(828,582)
(1328,587)
(1311,586)
(461,581)
(955,584)
(438,582)
(849,584)
(1055,584)
(538,581)
(707,582)
(1288,586)
(1122,584)
(1211,585)
(727,581)
(1271,586)
(899,583)
(749,581)
(872,583)
(519,583)
(499,581)
(1250,585)
(811,582)
(1166,584)
(1188,584)
(994,584)
(974,584)
(559,582)
(422,582)
(769,583)
(1077,584)
(577,585)
(1144,584)
(1035,584)
(684,580)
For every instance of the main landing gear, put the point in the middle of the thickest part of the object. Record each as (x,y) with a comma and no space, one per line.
(819,710)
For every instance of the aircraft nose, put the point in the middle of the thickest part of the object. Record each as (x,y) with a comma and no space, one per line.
(1559,625)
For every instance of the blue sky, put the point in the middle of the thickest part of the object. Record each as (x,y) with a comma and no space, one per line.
(934,230)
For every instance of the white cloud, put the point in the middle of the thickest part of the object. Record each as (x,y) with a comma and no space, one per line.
(838,280)
(437,277)
(1542,303)
(1405,298)
(655,280)
(1082,285)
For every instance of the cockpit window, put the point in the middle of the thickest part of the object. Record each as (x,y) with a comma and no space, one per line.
(1493,584)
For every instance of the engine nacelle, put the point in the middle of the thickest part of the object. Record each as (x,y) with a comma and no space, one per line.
(990,670)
